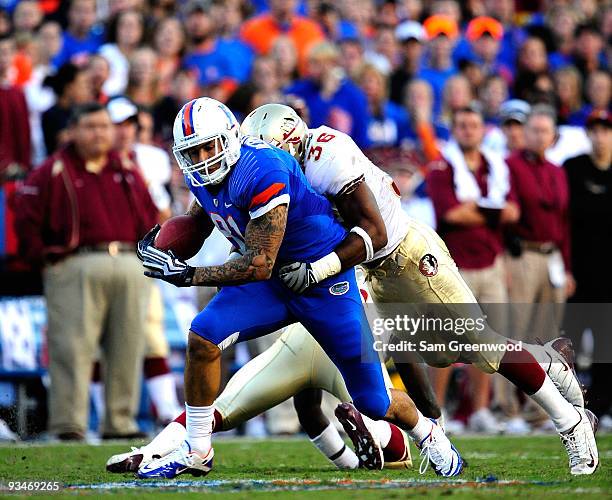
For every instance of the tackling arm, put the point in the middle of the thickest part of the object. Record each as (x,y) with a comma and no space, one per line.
(358,209)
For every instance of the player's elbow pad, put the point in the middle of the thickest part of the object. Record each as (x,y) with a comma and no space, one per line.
(369,246)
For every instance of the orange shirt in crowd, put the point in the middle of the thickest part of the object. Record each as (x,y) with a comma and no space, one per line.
(262,31)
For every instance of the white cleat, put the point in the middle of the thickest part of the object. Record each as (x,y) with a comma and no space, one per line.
(560,369)
(437,450)
(130,461)
(183,460)
(580,444)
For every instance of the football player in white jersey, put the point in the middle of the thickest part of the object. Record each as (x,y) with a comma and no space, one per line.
(410,265)
(414,266)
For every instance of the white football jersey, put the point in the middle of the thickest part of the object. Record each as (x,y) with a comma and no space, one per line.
(333,164)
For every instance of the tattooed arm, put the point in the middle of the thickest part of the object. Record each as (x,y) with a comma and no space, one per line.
(263,239)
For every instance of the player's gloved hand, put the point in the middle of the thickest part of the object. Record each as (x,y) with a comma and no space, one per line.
(166,266)
(147,241)
(298,276)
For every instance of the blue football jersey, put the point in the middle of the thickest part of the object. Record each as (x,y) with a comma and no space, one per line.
(263,178)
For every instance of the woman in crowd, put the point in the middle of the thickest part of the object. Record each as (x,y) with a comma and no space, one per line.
(126,33)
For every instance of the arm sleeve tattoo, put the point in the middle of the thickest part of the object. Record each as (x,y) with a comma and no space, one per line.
(263,239)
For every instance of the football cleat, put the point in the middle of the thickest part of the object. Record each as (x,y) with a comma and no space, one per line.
(367,446)
(580,444)
(130,461)
(561,371)
(437,450)
(183,460)
(406,461)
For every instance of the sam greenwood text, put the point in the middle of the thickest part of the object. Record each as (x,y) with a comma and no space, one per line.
(452,346)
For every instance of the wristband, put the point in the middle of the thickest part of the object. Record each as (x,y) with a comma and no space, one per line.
(369,247)
(326,266)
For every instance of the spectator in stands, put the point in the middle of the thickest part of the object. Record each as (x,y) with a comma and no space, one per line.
(99,71)
(125,34)
(261,31)
(82,37)
(169,43)
(184,88)
(27,16)
(568,87)
(562,20)
(471,194)
(599,97)
(588,49)
(211,60)
(15,152)
(388,124)
(386,50)
(143,80)
(332,99)
(504,12)
(590,181)
(485,35)
(229,18)
(493,93)
(532,60)
(72,87)
(40,98)
(5,23)
(442,33)
(285,56)
(352,56)
(423,129)
(457,94)
(510,136)
(411,36)
(92,278)
(331,21)
(540,266)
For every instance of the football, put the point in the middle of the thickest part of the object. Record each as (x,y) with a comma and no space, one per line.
(182,235)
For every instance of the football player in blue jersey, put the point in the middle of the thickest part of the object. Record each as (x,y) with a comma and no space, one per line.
(259,198)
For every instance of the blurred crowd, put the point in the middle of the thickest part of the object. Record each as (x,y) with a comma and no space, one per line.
(431,90)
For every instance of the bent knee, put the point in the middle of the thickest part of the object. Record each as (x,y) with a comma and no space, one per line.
(198,347)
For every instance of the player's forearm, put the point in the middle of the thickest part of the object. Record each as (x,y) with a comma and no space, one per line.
(353,249)
(263,239)
(247,268)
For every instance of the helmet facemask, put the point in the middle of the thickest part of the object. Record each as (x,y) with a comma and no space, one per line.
(210,171)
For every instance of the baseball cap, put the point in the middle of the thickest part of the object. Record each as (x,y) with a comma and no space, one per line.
(601,117)
(514,110)
(410,30)
(121,109)
(440,25)
(483,25)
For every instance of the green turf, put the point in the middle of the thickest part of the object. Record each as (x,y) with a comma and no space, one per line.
(540,462)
